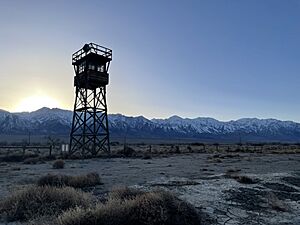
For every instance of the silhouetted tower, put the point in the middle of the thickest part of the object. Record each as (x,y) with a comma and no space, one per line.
(90,133)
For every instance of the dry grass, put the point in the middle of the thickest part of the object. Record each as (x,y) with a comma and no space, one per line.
(243,179)
(17,157)
(16,168)
(178,183)
(58,164)
(146,155)
(34,201)
(131,207)
(232,170)
(124,206)
(214,160)
(32,160)
(127,151)
(80,181)
(123,193)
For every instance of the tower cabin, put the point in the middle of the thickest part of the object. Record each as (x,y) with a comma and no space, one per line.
(91,64)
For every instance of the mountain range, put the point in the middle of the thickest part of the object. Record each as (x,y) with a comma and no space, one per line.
(56,121)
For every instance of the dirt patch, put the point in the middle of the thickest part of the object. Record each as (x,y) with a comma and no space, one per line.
(280,187)
(292,180)
(247,198)
(285,195)
(283,191)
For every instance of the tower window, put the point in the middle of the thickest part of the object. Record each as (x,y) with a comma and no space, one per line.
(100,68)
(81,67)
(91,67)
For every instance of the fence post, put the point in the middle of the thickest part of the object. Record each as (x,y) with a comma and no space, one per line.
(24,148)
(50,150)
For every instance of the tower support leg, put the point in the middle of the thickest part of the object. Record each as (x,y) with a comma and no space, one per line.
(90,132)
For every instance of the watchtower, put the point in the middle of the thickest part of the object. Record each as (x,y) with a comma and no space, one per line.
(90,133)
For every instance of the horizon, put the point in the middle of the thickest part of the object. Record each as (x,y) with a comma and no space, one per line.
(168,117)
(224,59)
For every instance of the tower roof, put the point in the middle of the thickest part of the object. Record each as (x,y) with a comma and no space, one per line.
(92,50)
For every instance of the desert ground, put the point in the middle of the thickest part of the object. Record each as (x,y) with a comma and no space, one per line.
(229,184)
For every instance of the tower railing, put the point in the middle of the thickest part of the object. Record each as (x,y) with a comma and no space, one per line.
(93,48)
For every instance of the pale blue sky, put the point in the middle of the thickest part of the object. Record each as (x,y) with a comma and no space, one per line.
(218,58)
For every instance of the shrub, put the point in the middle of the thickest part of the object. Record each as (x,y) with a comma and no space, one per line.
(12,158)
(150,208)
(34,201)
(123,193)
(177,149)
(147,156)
(16,168)
(244,179)
(32,160)
(178,183)
(215,160)
(241,178)
(58,164)
(80,181)
(17,157)
(229,172)
(128,151)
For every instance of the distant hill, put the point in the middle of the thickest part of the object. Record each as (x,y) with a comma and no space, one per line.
(55,121)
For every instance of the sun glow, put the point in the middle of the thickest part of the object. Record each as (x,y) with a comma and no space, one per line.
(33,103)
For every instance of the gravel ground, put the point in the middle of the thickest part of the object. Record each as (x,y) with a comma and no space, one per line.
(201,179)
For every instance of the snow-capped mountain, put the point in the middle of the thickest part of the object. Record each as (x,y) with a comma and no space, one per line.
(45,114)
(47,121)
(42,121)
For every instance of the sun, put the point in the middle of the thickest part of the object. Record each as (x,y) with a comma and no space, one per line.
(33,103)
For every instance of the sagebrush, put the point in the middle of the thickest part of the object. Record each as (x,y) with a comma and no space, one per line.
(131,207)
(34,201)
(80,181)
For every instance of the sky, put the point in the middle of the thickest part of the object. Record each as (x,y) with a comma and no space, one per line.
(226,59)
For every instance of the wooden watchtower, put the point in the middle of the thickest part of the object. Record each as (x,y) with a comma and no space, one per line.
(90,133)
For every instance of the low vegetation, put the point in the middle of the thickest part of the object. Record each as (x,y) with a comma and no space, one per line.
(16,157)
(129,207)
(178,183)
(234,174)
(123,193)
(33,160)
(80,181)
(147,156)
(128,151)
(34,201)
(219,151)
(244,179)
(123,206)
(58,164)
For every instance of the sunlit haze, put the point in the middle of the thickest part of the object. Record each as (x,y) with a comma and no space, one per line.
(32,103)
